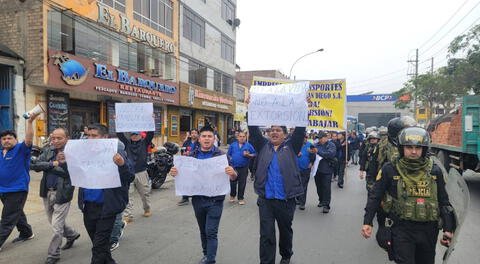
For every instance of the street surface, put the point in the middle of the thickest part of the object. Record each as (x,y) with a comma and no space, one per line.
(171,235)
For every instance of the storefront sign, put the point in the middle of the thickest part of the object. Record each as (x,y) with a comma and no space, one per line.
(201,98)
(72,72)
(107,18)
(372,98)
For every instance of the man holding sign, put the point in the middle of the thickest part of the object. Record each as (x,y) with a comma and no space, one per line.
(208,209)
(277,175)
(100,206)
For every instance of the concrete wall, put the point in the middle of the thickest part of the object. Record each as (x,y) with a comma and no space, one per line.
(211,54)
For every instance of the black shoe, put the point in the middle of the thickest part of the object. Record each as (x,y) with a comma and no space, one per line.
(326,209)
(320,205)
(285,261)
(183,202)
(23,239)
(301,207)
(203,260)
(340,186)
(70,242)
(51,260)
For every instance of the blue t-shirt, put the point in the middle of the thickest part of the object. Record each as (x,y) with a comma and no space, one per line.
(274,188)
(304,159)
(14,167)
(205,155)
(236,152)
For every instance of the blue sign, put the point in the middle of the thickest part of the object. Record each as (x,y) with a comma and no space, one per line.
(372,98)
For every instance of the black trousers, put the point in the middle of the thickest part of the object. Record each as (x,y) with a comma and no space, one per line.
(414,242)
(272,210)
(241,181)
(324,188)
(13,215)
(305,177)
(99,230)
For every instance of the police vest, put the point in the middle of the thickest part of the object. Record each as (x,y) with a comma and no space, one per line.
(416,201)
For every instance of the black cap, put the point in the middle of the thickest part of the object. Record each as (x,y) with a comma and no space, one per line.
(322,134)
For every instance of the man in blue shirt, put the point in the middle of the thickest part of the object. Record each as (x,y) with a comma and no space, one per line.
(278,184)
(14,180)
(240,153)
(208,210)
(305,159)
(100,207)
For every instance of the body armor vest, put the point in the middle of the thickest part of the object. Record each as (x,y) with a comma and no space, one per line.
(414,202)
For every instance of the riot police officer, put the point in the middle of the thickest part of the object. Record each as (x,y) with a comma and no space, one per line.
(368,161)
(413,192)
(388,151)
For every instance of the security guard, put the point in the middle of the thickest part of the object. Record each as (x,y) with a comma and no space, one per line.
(368,162)
(413,191)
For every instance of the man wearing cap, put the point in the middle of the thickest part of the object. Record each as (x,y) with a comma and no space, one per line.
(323,178)
(137,151)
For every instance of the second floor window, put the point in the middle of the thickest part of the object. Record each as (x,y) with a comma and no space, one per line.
(117,4)
(193,27)
(228,49)
(157,14)
(228,10)
(197,74)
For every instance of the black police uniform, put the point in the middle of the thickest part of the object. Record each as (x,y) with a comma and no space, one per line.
(413,242)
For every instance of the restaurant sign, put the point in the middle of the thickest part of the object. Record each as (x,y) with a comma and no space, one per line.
(76,73)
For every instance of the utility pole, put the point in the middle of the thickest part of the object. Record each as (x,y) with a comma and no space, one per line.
(415,75)
(431,69)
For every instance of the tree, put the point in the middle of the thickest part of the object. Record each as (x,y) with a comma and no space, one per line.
(466,70)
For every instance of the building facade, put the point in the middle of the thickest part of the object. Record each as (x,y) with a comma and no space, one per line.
(374,109)
(207,66)
(245,77)
(81,57)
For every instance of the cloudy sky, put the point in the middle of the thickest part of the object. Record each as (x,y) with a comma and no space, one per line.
(366,42)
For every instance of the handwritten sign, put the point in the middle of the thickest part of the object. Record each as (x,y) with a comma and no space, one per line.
(280,105)
(131,117)
(90,163)
(194,179)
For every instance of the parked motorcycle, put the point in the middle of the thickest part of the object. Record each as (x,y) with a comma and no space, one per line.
(160,162)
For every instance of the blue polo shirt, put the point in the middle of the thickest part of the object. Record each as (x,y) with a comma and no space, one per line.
(236,153)
(304,159)
(14,167)
(93,195)
(274,188)
(205,155)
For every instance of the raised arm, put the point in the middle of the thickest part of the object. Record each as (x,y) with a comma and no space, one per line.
(149,137)
(297,139)
(256,138)
(29,134)
(122,138)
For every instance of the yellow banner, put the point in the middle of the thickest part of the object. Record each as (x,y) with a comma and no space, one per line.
(328,108)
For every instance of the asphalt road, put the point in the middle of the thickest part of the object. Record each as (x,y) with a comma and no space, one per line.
(171,235)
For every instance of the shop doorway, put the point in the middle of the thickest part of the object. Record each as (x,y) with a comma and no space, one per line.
(83,113)
(185,126)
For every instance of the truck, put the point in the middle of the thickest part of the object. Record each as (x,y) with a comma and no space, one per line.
(456,136)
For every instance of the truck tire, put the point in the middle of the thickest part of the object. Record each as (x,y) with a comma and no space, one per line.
(444,159)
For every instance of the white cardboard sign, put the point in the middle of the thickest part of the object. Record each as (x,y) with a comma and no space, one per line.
(131,117)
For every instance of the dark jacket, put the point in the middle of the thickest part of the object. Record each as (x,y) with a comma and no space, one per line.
(115,199)
(186,143)
(137,151)
(341,150)
(287,158)
(386,184)
(216,152)
(64,192)
(327,151)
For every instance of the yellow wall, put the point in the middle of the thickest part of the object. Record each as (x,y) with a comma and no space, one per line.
(173,111)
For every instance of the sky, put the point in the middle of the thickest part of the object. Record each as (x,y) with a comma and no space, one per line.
(367,42)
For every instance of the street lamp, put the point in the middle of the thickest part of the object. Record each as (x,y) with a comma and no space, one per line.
(290,75)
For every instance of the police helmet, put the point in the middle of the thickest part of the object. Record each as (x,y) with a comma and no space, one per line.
(374,128)
(372,135)
(368,130)
(413,136)
(382,131)
(396,124)
(171,147)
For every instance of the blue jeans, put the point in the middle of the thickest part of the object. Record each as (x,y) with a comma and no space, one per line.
(208,212)
(117,228)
